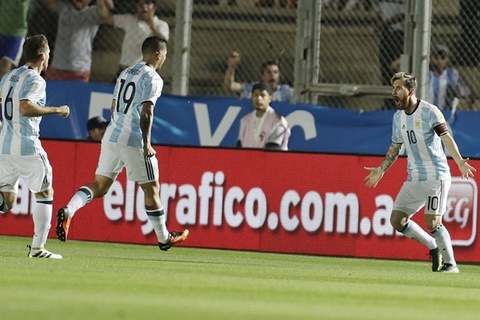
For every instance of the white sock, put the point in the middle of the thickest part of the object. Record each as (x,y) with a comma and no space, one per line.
(42,217)
(444,242)
(415,232)
(83,196)
(157,218)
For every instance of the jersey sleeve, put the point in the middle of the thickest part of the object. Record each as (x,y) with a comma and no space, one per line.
(152,87)
(396,133)
(435,117)
(33,90)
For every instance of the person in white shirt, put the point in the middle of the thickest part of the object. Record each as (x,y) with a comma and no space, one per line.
(137,28)
(422,128)
(263,128)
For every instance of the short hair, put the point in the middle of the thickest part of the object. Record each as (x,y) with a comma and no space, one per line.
(407,78)
(269,63)
(154,44)
(34,47)
(260,86)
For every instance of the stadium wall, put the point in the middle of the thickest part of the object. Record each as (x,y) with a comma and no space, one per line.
(242,199)
(215,121)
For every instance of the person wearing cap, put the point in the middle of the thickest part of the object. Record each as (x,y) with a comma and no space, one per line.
(445,82)
(96,127)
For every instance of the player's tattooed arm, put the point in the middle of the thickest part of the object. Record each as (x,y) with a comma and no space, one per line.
(391,156)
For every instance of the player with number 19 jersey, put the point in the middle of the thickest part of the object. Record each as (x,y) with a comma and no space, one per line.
(20,134)
(420,133)
(134,86)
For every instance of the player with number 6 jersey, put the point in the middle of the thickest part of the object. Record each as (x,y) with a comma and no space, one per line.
(22,98)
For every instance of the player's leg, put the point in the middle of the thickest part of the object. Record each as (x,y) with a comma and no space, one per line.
(144,170)
(154,210)
(81,198)
(9,176)
(409,201)
(7,200)
(436,205)
(36,172)
(109,166)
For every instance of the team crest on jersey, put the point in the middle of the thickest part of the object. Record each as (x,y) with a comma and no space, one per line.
(417,124)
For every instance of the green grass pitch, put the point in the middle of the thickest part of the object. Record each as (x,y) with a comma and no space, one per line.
(121,281)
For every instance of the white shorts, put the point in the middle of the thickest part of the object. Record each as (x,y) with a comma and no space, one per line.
(114,157)
(35,170)
(415,194)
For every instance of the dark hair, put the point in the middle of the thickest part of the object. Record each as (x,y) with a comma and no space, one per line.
(269,63)
(34,47)
(154,44)
(407,78)
(260,86)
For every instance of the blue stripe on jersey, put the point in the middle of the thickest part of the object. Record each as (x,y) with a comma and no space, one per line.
(7,137)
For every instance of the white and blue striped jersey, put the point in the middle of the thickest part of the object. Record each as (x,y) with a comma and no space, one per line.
(135,85)
(426,158)
(20,134)
(444,87)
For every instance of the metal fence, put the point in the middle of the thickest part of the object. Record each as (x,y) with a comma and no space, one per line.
(348,51)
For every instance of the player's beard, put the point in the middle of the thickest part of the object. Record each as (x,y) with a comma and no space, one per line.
(401,104)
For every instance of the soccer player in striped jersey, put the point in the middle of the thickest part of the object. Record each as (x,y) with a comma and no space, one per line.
(421,127)
(127,143)
(22,97)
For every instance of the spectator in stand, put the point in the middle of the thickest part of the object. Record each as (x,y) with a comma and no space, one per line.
(78,24)
(269,75)
(137,28)
(13,29)
(445,82)
(263,128)
(96,127)
(390,21)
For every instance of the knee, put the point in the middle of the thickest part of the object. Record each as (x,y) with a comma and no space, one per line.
(7,201)
(398,221)
(433,223)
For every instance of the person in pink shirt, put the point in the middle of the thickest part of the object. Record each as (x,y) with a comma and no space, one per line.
(263,128)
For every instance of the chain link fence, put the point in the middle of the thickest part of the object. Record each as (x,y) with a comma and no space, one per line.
(261,30)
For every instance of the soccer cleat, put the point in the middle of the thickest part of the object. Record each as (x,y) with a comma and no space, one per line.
(42,253)
(63,223)
(449,268)
(174,238)
(436,257)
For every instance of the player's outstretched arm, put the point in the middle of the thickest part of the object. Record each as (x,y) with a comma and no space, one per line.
(376,173)
(465,168)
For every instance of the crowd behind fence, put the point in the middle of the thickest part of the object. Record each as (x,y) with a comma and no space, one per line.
(266,30)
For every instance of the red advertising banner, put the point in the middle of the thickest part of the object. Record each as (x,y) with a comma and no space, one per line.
(253,200)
